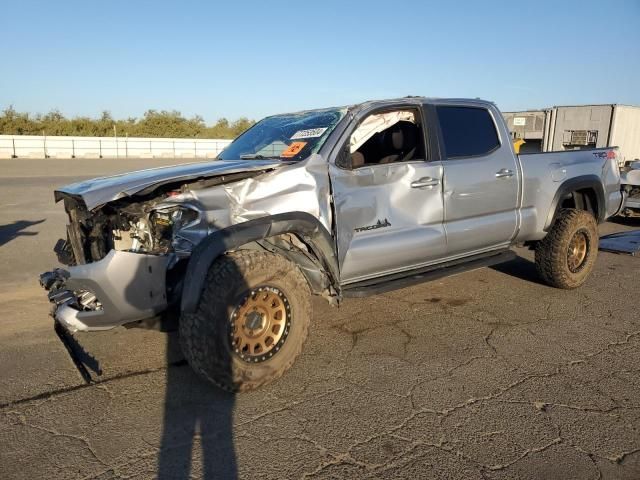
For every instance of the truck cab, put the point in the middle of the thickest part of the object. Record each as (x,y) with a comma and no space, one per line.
(445,169)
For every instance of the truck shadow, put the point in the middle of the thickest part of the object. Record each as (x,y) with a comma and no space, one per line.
(520,268)
(10,231)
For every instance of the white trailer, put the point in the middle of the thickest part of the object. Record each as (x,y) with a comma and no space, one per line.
(579,127)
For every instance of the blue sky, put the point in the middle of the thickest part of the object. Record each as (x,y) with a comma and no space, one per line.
(237,58)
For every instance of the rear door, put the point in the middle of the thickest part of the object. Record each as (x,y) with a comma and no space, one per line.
(481,179)
(388,212)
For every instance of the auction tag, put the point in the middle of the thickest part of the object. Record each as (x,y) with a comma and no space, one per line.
(293,149)
(311,133)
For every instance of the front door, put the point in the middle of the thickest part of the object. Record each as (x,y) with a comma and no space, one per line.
(388,201)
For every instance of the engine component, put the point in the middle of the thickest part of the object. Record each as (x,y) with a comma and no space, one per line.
(167,224)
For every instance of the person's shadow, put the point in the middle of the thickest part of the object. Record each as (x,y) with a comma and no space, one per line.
(195,412)
(193,409)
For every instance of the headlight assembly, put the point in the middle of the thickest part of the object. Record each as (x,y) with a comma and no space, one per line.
(174,218)
(168,225)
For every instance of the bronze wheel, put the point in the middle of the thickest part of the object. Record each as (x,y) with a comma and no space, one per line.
(260,324)
(251,322)
(566,256)
(577,253)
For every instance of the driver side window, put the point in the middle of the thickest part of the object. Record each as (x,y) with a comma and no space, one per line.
(389,137)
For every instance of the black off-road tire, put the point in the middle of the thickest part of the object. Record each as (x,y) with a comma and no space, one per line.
(552,252)
(205,336)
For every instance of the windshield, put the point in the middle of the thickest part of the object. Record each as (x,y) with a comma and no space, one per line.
(292,136)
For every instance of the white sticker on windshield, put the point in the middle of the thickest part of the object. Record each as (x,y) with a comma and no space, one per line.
(311,133)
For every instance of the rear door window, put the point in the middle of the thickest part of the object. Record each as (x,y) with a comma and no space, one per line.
(467,131)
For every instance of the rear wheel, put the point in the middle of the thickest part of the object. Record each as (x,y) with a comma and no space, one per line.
(566,256)
(251,322)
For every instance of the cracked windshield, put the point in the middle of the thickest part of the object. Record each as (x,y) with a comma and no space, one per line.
(292,136)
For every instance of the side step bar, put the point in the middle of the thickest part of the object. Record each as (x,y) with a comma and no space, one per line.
(427,274)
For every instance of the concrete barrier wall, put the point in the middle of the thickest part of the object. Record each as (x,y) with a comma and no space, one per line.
(33,146)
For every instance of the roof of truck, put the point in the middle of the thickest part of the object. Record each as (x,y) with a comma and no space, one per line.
(412,99)
(409,100)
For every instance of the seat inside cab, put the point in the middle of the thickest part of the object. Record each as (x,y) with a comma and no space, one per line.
(386,138)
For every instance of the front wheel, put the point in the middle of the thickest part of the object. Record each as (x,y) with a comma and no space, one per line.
(251,322)
(566,256)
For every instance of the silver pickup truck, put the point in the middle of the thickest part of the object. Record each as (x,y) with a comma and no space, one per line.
(336,202)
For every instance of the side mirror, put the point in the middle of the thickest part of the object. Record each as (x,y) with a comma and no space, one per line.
(344,158)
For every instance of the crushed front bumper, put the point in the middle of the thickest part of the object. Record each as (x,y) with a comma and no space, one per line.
(127,287)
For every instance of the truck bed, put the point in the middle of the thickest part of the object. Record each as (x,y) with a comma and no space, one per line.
(544,172)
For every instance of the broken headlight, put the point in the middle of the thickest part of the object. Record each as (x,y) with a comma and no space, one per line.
(167,223)
(174,218)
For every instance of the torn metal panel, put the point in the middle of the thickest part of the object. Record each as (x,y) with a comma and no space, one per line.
(622,242)
(293,188)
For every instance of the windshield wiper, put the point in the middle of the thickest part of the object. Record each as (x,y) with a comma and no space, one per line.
(257,156)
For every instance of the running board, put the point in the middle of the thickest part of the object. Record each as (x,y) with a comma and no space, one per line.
(434,272)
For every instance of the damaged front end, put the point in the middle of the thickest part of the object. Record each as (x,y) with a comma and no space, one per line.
(117,257)
(129,239)
(126,256)
(115,275)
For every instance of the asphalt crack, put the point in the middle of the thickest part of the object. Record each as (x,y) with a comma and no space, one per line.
(22,421)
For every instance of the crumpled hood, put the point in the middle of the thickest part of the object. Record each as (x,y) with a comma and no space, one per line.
(98,191)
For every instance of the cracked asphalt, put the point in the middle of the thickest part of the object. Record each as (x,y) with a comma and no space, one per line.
(486,375)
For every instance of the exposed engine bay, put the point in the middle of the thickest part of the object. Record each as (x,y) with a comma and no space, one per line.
(123,225)
(144,237)
(166,220)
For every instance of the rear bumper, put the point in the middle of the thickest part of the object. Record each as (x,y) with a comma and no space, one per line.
(128,287)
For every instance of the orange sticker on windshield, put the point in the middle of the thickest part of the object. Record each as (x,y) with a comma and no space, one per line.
(293,149)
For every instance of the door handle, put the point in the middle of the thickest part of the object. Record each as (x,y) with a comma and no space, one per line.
(425,182)
(504,173)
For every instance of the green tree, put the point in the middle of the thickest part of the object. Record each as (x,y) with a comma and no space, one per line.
(154,123)
(14,123)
